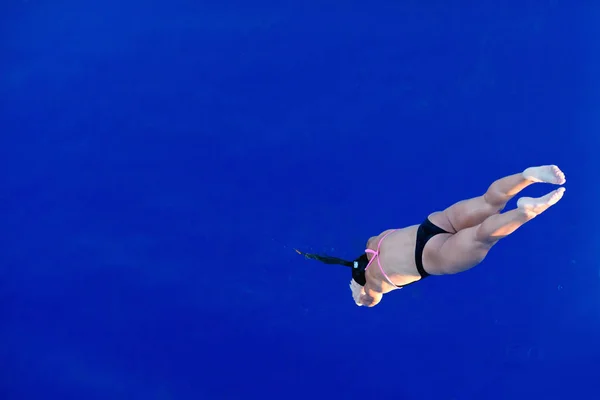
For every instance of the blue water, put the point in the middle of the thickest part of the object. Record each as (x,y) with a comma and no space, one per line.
(160,161)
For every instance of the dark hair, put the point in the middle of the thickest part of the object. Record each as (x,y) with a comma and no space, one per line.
(358,265)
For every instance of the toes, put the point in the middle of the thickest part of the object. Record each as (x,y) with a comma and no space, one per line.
(559,175)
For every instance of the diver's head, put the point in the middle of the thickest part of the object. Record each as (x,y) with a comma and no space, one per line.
(358,269)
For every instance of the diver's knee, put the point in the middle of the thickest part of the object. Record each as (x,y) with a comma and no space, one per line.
(495,201)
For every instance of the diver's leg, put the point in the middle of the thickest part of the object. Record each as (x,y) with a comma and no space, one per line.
(451,254)
(472,212)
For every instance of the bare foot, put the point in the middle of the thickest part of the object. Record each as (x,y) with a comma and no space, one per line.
(536,206)
(546,174)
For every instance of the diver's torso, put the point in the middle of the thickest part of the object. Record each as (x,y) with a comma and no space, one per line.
(397,257)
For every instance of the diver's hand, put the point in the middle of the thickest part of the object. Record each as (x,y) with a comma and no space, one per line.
(369,296)
(357,292)
(366,300)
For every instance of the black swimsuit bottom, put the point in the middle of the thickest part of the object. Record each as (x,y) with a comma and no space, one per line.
(426,231)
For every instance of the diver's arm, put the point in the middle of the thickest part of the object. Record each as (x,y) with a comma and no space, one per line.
(370,297)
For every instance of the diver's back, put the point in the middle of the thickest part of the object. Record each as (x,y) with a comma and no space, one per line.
(397,255)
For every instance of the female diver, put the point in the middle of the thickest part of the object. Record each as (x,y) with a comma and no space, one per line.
(449,241)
